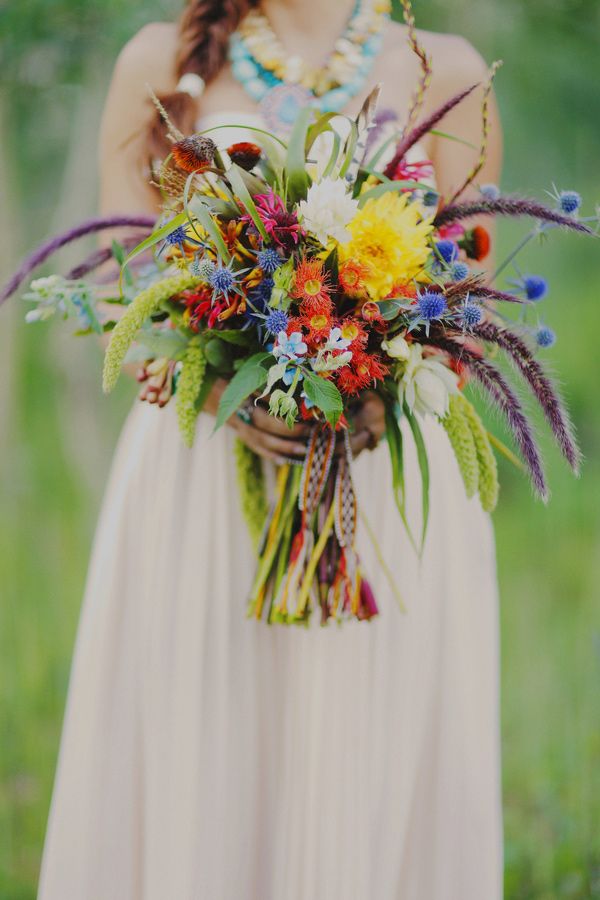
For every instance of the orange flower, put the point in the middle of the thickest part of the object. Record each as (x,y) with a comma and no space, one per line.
(311,282)
(481,242)
(195,153)
(354,331)
(363,370)
(350,276)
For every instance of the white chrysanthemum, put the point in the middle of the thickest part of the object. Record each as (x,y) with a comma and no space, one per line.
(426,384)
(328,210)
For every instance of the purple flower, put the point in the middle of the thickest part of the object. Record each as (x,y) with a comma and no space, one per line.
(470,314)
(269,260)
(459,270)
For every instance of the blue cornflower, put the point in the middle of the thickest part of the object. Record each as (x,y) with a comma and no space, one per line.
(431,305)
(489,191)
(470,314)
(290,373)
(569,202)
(459,270)
(545,337)
(448,250)
(534,286)
(290,346)
(268,260)
(276,321)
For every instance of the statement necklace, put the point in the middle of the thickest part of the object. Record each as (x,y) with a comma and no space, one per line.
(283,84)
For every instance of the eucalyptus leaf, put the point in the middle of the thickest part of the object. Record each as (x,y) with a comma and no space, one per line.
(217,353)
(200,210)
(380,189)
(238,184)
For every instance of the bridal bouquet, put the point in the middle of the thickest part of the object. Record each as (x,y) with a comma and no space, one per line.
(306,278)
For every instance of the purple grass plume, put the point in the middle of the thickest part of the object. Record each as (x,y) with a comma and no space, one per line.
(45,250)
(474,285)
(423,128)
(507,206)
(380,120)
(541,386)
(502,395)
(97,258)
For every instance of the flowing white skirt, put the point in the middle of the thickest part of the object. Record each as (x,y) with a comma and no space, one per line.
(209,757)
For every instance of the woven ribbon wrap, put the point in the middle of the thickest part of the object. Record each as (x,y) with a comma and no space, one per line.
(308,557)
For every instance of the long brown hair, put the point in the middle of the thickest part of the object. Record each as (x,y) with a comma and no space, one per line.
(205,27)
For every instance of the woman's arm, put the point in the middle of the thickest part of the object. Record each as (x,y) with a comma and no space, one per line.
(459,65)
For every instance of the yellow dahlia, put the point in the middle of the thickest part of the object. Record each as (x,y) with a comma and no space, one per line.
(389,240)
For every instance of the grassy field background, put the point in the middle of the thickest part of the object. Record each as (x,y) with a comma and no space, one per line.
(57,433)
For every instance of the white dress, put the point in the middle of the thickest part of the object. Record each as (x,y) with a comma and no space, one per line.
(206,756)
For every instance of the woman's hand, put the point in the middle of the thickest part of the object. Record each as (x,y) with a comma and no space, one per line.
(369,424)
(271,438)
(267,435)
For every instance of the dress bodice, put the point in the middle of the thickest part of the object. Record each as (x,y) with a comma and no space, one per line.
(228,131)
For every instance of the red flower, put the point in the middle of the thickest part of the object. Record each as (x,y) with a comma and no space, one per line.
(362,371)
(370,312)
(413,171)
(244,154)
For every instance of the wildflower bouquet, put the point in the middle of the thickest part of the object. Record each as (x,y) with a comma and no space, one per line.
(305,279)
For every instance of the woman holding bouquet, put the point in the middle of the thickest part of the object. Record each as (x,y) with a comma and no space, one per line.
(207,756)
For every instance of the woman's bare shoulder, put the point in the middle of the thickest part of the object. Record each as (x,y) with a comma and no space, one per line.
(454,60)
(149,57)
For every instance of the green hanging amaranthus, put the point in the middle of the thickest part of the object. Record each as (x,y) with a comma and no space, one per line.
(189,384)
(252,489)
(144,305)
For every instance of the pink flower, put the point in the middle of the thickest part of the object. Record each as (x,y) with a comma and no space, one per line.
(413,171)
(453,231)
(282,226)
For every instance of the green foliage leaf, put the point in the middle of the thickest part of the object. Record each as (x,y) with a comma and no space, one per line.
(424,468)
(380,189)
(153,239)
(325,395)
(217,354)
(251,376)
(168,342)
(298,180)
(200,210)
(231,336)
(236,179)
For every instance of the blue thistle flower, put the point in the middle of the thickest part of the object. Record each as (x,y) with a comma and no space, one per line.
(203,268)
(177,237)
(222,280)
(448,250)
(489,191)
(430,198)
(470,314)
(431,305)
(269,260)
(459,270)
(569,202)
(276,321)
(262,292)
(535,287)
(545,337)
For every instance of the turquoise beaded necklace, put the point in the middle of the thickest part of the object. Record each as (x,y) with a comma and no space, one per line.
(280,101)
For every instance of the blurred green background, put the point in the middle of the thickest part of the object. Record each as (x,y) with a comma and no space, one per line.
(57,432)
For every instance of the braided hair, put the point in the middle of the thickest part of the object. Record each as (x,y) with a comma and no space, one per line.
(205,27)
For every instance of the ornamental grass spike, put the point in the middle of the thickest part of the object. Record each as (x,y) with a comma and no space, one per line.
(487,468)
(144,305)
